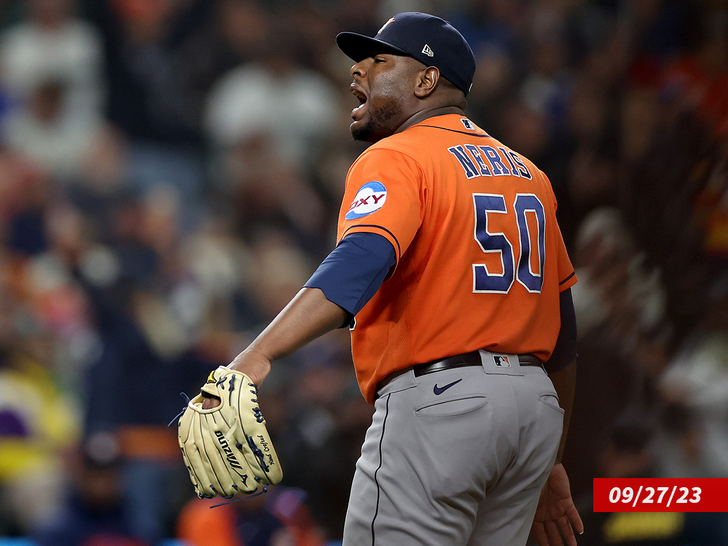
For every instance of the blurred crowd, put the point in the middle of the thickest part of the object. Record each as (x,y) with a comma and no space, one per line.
(171,173)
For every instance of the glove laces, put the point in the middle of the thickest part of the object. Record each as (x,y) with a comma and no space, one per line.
(176,417)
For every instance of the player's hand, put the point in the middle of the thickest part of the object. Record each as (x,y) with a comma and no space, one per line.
(556,517)
(252,364)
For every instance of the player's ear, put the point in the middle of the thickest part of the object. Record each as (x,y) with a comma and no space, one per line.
(427,82)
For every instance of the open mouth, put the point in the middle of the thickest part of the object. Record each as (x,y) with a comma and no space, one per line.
(361,97)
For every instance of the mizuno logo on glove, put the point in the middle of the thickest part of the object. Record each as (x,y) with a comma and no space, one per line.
(229,455)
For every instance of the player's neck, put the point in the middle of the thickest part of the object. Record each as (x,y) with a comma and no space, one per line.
(422,115)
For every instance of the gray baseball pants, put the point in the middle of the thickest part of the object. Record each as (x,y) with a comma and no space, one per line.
(455,458)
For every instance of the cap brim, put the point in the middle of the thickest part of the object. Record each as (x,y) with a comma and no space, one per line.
(358,47)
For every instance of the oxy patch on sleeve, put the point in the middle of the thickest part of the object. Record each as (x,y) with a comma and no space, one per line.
(370,198)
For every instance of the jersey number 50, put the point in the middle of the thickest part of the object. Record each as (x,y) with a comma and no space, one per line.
(500,283)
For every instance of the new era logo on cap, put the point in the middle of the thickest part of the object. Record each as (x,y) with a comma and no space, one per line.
(429,39)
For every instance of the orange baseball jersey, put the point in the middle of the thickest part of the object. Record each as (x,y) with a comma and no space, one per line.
(480,257)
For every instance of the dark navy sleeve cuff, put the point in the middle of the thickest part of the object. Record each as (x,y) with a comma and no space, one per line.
(565,350)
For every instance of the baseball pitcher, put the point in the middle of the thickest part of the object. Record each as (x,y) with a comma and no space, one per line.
(452,275)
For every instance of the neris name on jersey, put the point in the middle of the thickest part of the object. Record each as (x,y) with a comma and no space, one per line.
(489,161)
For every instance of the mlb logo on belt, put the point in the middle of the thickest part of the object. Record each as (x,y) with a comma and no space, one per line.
(501,361)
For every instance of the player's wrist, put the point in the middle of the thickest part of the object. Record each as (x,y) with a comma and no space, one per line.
(252,363)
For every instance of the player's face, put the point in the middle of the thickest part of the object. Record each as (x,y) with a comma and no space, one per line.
(383,84)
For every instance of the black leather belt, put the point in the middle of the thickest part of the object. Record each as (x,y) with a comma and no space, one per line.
(467,359)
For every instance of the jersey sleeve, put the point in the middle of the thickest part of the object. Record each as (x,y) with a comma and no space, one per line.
(384,195)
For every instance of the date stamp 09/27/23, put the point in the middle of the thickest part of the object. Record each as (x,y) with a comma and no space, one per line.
(660,495)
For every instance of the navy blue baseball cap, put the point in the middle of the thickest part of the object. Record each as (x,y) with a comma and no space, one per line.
(429,39)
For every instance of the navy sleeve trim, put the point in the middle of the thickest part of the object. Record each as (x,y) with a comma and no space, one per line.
(353,272)
(567,278)
(399,248)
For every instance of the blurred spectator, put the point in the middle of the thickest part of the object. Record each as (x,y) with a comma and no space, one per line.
(52,69)
(615,283)
(699,75)
(150,98)
(710,210)
(278,518)
(547,86)
(276,194)
(697,380)
(619,308)
(94,513)
(51,45)
(280,268)
(491,24)
(233,34)
(679,443)
(153,100)
(38,424)
(54,136)
(147,314)
(272,98)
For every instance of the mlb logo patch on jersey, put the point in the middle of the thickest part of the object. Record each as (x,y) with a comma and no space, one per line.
(370,198)
(468,124)
(502,361)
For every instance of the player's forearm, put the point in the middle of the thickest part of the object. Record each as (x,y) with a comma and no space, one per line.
(308,316)
(564,381)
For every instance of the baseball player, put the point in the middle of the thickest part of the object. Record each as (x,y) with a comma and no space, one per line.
(452,275)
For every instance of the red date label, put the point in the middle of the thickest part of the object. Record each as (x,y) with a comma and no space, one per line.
(660,495)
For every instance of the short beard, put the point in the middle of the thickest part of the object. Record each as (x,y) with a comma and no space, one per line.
(379,126)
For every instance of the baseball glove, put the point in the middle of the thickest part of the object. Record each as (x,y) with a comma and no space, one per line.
(227,449)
